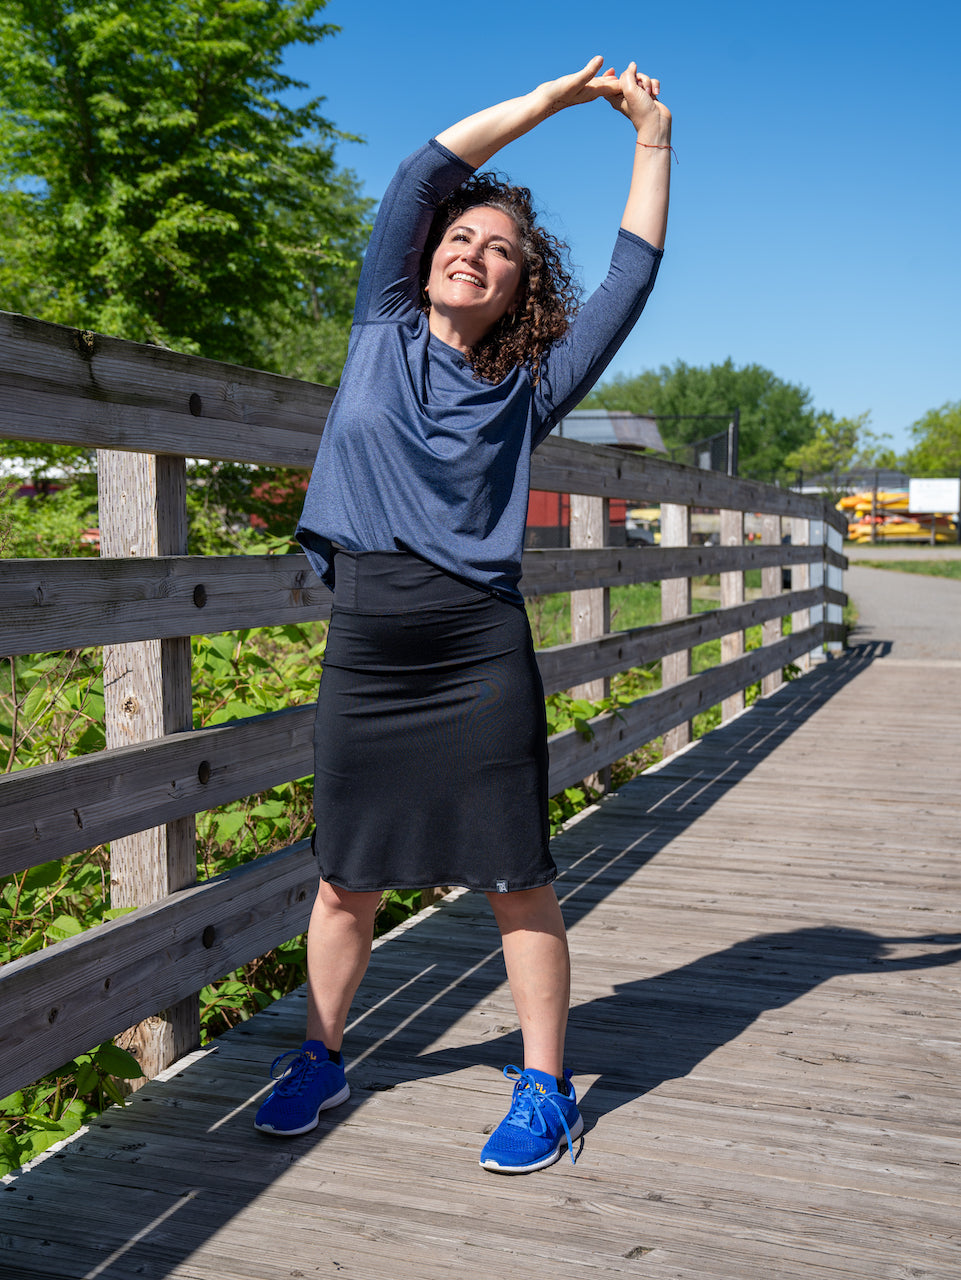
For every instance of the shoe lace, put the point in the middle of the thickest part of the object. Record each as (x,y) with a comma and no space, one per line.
(528,1105)
(294,1078)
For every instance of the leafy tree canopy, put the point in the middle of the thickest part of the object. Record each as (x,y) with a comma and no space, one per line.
(775,416)
(156,186)
(937,443)
(839,445)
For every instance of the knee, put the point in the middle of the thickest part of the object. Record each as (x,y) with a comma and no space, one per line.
(346,904)
(536,909)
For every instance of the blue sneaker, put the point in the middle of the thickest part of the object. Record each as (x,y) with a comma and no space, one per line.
(541,1121)
(311,1084)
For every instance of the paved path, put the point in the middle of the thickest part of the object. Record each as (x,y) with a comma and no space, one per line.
(918,616)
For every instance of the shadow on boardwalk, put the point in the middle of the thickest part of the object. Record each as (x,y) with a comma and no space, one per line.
(146,1192)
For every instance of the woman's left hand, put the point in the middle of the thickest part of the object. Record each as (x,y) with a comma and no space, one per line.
(635,95)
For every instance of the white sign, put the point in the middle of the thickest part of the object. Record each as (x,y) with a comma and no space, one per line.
(931,496)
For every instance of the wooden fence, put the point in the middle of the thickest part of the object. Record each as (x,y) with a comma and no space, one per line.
(147,409)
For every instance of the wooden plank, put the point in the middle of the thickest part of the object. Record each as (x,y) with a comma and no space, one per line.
(76,387)
(550,569)
(69,997)
(50,605)
(561,664)
(55,809)
(618,733)
(562,465)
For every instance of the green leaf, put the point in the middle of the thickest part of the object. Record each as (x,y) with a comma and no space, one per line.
(63,927)
(117,1061)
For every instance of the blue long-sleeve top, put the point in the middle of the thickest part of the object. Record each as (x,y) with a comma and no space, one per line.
(417,453)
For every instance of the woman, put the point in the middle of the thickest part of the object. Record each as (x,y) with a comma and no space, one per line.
(431,742)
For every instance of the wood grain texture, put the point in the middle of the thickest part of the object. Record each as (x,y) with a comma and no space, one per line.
(67,999)
(148,695)
(764,1036)
(50,605)
(732,595)
(675,603)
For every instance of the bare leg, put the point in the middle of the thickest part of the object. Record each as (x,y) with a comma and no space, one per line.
(338,950)
(538,970)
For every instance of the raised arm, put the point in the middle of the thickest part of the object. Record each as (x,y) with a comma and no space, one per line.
(635,96)
(478,137)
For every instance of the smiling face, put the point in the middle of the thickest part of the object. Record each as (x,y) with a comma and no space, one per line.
(474,276)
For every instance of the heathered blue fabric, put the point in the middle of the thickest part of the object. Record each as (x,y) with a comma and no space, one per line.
(417,454)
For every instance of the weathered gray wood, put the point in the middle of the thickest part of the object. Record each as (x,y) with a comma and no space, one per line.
(801,581)
(732,595)
(675,603)
(64,1000)
(49,605)
(550,570)
(562,465)
(77,387)
(56,809)
(74,387)
(771,586)
(147,695)
(591,609)
(616,734)
(763,1034)
(561,664)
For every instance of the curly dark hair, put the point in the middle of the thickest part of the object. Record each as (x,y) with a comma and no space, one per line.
(547,296)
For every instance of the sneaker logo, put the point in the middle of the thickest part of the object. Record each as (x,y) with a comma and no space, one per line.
(501,886)
(311,1056)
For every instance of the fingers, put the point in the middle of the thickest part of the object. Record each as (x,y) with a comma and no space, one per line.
(634,79)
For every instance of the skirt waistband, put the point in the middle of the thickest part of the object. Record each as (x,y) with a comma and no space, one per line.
(396,582)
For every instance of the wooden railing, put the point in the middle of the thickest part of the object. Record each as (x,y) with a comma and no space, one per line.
(146,410)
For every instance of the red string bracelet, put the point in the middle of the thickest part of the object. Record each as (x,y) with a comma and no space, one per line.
(660,146)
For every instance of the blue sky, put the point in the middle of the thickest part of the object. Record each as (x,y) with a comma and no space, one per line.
(816,207)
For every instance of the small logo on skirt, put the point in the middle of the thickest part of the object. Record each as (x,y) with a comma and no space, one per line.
(501,886)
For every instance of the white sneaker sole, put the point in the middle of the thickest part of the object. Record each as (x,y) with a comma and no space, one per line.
(551,1158)
(334,1100)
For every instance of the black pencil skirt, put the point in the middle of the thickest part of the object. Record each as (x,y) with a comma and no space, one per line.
(430,743)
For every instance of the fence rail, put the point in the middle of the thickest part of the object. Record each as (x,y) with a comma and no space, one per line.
(147,410)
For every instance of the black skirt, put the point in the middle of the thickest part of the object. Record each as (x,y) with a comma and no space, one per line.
(430,743)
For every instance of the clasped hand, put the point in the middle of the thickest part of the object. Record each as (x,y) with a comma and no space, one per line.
(631,93)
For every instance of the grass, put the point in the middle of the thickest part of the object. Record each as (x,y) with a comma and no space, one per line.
(935,568)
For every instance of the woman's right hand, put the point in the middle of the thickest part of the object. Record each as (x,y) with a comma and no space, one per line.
(635,96)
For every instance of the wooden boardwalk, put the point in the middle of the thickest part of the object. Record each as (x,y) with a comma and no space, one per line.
(765,1035)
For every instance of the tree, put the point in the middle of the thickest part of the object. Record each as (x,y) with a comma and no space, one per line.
(937,447)
(775,416)
(157,186)
(839,445)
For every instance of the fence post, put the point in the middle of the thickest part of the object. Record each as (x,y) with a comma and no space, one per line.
(147,693)
(771,630)
(675,603)
(732,593)
(591,610)
(800,580)
(834,578)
